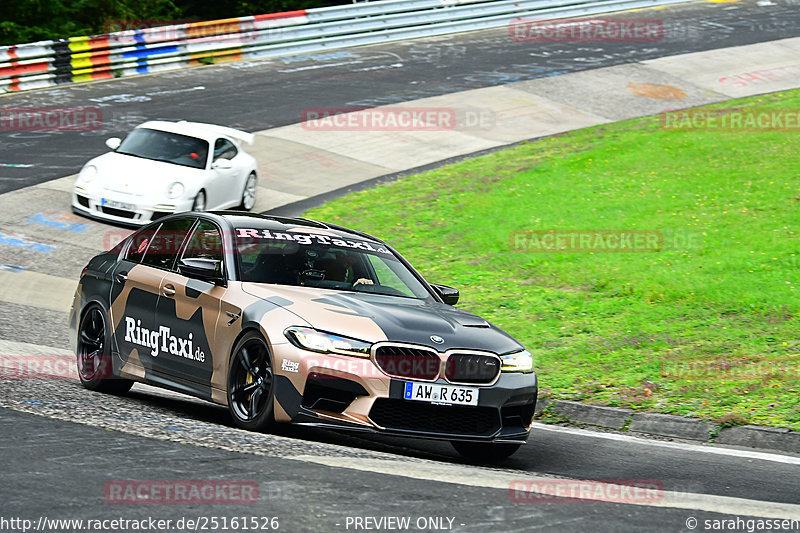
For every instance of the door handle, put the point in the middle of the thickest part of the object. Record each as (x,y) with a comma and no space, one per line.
(168,290)
(122,277)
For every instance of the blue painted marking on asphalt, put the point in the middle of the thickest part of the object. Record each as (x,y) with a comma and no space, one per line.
(11,268)
(409,390)
(44,220)
(10,240)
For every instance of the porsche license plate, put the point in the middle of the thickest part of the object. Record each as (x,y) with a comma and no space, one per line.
(117,205)
(435,393)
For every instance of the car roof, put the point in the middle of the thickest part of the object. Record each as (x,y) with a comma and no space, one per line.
(241,219)
(208,132)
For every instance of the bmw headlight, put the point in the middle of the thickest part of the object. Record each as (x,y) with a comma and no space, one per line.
(175,190)
(517,362)
(88,173)
(319,341)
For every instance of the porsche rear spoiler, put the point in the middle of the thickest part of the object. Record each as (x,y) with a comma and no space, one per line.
(222,130)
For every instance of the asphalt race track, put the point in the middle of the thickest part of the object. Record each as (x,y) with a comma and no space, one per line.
(63,446)
(266,94)
(295,484)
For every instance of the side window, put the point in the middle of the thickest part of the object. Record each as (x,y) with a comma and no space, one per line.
(387,277)
(204,243)
(165,244)
(140,243)
(224,149)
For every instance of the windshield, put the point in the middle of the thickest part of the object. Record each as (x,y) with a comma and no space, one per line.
(167,147)
(312,260)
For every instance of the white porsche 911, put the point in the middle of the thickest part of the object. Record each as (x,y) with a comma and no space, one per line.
(162,168)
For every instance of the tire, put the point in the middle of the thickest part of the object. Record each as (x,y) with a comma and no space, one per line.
(251,384)
(199,201)
(249,192)
(94,357)
(479,452)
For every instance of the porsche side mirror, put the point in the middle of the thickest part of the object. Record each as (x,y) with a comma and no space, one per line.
(222,164)
(113,142)
(449,295)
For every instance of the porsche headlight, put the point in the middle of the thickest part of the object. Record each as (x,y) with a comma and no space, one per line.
(517,362)
(88,173)
(321,342)
(175,190)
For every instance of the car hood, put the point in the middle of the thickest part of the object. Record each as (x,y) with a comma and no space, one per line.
(139,176)
(399,319)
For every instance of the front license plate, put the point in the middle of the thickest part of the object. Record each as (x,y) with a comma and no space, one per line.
(447,394)
(117,205)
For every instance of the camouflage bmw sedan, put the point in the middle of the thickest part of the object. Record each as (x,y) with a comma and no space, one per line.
(292,320)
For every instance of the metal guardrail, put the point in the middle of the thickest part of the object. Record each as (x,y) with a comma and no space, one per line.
(131,52)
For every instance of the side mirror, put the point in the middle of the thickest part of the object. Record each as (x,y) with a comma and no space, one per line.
(209,270)
(113,142)
(449,295)
(222,164)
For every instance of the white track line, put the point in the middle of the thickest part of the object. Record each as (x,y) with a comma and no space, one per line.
(688,447)
(495,479)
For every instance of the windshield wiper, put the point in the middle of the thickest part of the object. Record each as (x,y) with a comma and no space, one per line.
(159,159)
(132,154)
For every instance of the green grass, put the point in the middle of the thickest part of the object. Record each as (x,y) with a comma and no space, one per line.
(705,327)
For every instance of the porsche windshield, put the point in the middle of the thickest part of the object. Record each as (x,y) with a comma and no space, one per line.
(165,146)
(311,260)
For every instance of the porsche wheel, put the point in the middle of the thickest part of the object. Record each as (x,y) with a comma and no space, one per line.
(251,384)
(479,452)
(249,192)
(94,356)
(199,202)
